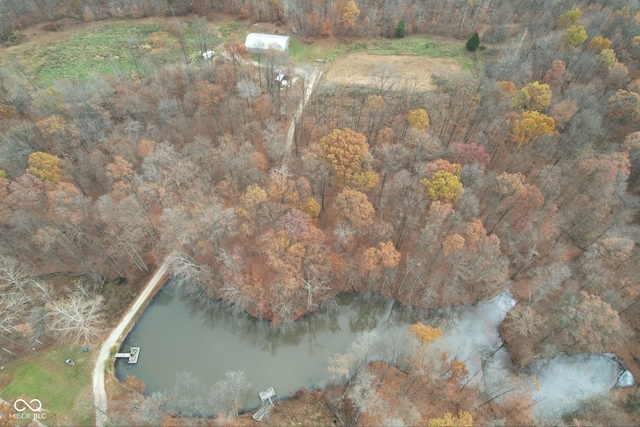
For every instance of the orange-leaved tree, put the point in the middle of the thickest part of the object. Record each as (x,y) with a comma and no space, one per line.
(376,259)
(354,207)
(348,153)
(425,333)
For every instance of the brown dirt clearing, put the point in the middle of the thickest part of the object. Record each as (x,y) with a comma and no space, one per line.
(354,69)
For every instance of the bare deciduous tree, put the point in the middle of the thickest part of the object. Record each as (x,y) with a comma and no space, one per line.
(385,77)
(76,320)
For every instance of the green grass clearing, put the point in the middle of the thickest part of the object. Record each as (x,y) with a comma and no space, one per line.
(122,48)
(301,52)
(129,48)
(234,29)
(65,391)
(432,47)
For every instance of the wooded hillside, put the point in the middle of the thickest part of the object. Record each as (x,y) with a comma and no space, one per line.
(519,174)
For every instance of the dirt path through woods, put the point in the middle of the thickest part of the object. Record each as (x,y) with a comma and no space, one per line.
(99,391)
(311,80)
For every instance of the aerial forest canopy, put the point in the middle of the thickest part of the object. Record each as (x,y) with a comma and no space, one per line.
(518,173)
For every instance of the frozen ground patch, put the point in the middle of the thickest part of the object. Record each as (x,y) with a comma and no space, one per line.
(471,334)
(567,380)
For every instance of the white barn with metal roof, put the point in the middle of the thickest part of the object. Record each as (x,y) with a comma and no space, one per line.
(257,41)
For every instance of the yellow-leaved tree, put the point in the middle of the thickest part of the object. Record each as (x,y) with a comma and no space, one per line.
(464,419)
(569,18)
(606,59)
(350,14)
(311,207)
(533,96)
(418,119)
(443,186)
(46,167)
(530,126)
(575,35)
(599,43)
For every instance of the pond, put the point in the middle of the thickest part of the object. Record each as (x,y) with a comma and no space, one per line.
(179,333)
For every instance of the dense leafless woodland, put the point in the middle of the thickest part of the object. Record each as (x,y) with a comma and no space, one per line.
(522,175)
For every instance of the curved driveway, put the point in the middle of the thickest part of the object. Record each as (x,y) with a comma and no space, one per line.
(99,391)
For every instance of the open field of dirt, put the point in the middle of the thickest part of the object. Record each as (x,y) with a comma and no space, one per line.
(356,67)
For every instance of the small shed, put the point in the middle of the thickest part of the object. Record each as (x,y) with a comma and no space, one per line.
(257,42)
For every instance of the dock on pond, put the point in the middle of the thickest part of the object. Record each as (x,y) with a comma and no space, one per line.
(263,412)
(133,354)
(267,395)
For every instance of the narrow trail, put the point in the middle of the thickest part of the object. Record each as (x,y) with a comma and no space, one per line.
(99,391)
(312,79)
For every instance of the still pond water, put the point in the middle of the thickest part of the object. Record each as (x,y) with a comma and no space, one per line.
(182,333)
(179,333)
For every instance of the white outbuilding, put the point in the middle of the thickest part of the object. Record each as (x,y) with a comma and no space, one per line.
(256,42)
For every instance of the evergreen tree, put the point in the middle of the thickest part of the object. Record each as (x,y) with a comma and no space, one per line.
(401,29)
(473,43)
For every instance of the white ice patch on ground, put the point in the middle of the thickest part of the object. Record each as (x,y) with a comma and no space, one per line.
(471,334)
(626,380)
(567,380)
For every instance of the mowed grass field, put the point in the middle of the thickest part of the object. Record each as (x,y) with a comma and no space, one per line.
(65,391)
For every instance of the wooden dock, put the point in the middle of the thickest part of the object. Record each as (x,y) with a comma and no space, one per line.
(263,412)
(267,395)
(134,353)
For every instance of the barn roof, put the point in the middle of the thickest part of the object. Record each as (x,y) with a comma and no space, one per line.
(266,41)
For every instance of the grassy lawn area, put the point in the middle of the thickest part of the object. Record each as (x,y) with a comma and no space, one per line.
(428,46)
(102,50)
(320,49)
(432,47)
(127,48)
(65,391)
(108,49)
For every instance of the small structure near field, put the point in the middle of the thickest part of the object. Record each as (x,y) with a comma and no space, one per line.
(208,54)
(283,77)
(257,42)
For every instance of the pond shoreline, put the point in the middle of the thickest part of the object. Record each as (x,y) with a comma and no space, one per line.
(466,329)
